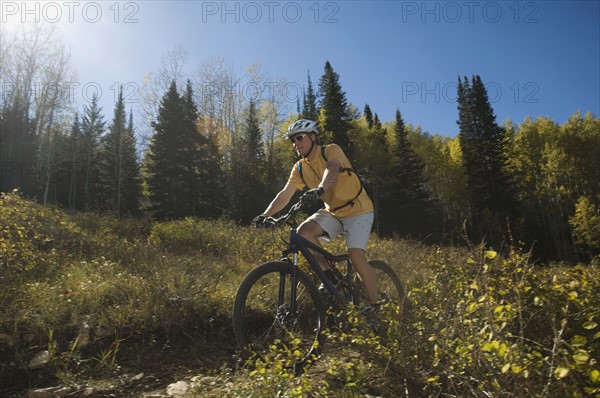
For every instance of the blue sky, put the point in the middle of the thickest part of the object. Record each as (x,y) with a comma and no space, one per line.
(536,57)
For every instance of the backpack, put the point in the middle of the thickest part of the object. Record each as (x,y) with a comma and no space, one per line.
(349,170)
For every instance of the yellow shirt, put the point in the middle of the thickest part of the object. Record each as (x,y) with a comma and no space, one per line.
(345,189)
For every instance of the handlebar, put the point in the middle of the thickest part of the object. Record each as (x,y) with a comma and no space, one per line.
(279,221)
(284,219)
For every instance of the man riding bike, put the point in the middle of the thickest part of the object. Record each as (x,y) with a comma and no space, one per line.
(328,175)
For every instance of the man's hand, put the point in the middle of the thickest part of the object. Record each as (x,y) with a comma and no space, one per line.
(315,192)
(311,196)
(259,220)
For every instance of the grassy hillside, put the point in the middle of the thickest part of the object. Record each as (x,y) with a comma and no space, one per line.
(108,297)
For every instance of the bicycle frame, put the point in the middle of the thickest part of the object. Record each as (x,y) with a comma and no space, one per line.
(300,245)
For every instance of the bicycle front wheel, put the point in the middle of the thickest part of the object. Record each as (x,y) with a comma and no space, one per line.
(271,311)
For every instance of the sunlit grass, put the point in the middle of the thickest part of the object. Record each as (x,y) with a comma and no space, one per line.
(95,289)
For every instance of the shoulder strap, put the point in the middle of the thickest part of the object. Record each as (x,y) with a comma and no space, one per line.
(349,170)
(351,201)
(300,172)
(300,165)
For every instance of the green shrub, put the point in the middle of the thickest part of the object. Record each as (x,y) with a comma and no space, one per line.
(505,327)
(101,224)
(29,232)
(193,235)
(222,239)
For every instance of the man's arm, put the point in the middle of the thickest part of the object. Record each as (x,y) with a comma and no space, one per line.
(330,174)
(281,200)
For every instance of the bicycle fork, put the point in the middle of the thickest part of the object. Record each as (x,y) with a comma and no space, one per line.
(288,311)
(294,285)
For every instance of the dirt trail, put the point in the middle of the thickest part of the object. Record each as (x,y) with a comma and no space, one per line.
(143,368)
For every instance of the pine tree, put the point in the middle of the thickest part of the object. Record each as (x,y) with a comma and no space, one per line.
(119,171)
(309,104)
(484,147)
(131,186)
(375,168)
(92,129)
(190,154)
(182,165)
(75,178)
(334,116)
(162,162)
(376,122)
(368,115)
(407,207)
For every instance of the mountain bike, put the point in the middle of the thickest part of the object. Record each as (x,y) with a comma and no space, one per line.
(279,307)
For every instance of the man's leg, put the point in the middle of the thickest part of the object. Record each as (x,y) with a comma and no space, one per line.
(358,230)
(311,231)
(366,272)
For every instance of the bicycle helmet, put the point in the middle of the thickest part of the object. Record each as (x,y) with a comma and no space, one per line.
(302,126)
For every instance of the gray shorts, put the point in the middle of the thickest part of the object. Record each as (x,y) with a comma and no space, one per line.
(357,229)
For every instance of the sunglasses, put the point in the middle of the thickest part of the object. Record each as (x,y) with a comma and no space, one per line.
(298,137)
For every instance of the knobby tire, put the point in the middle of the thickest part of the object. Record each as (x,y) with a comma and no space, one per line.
(263,320)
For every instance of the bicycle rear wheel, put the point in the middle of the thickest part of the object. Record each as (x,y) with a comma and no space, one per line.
(267,315)
(389,287)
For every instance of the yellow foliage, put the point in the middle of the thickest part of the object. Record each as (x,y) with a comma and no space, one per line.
(586,224)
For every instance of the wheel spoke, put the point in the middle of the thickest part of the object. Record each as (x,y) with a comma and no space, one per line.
(264,314)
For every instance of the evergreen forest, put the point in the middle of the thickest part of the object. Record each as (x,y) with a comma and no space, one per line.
(203,148)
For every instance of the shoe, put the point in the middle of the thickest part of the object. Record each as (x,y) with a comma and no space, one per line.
(372,314)
(322,290)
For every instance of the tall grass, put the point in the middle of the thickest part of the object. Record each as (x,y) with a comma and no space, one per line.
(96,290)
